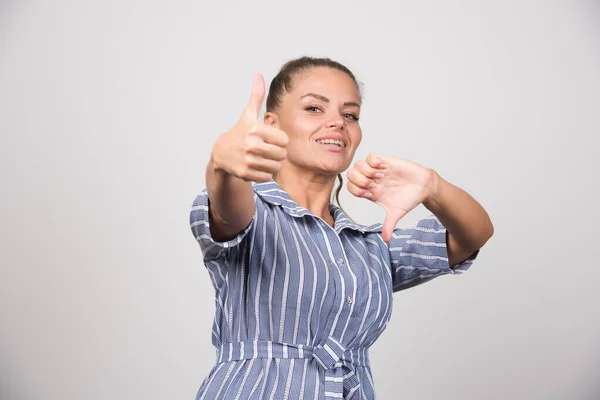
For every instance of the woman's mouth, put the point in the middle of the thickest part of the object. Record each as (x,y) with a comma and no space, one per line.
(332,143)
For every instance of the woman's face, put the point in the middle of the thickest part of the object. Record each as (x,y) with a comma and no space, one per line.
(320,115)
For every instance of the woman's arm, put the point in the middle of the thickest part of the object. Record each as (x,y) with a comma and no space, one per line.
(231,203)
(250,151)
(467,223)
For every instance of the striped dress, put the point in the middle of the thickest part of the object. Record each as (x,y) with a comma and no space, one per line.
(299,303)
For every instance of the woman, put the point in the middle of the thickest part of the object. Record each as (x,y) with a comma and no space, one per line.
(302,291)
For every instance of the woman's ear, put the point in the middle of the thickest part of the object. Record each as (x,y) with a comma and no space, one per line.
(271,119)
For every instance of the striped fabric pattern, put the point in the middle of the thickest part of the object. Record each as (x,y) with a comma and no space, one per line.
(298,303)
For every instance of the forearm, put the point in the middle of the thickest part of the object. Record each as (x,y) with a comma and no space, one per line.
(231,198)
(464,218)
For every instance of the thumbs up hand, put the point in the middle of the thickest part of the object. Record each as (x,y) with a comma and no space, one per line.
(251,150)
(395,184)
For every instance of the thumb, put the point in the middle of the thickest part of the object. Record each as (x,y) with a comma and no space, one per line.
(256,98)
(389,224)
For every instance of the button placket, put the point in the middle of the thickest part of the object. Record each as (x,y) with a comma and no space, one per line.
(344,285)
(335,284)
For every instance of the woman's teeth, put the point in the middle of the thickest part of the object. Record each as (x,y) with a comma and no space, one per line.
(332,141)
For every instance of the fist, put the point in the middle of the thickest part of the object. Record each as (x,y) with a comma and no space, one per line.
(251,150)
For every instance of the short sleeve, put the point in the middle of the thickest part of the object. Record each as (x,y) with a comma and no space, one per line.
(200,225)
(420,254)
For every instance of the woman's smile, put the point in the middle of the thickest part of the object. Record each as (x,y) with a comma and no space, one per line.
(333,143)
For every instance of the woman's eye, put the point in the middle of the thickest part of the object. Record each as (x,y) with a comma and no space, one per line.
(316,109)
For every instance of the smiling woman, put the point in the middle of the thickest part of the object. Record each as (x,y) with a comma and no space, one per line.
(302,292)
(294,83)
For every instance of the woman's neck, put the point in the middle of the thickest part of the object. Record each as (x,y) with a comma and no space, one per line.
(309,191)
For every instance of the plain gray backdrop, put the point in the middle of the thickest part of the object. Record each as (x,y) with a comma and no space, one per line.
(108,112)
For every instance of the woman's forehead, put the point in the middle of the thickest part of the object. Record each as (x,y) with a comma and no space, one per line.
(326,82)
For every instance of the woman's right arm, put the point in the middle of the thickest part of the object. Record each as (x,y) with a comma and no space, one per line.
(250,151)
(231,203)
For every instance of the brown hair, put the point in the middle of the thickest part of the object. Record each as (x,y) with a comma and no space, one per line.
(283,81)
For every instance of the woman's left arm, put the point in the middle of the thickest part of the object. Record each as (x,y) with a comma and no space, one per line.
(467,224)
(400,185)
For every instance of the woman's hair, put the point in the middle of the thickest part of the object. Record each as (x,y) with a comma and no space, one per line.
(284,80)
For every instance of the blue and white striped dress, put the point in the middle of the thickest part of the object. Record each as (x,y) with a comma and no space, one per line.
(299,303)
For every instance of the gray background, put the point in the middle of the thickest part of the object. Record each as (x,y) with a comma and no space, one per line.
(109,109)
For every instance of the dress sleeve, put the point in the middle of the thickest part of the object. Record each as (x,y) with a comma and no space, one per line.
(420,254)
(200,225)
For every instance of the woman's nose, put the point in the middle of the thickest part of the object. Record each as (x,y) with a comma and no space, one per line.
(337,122)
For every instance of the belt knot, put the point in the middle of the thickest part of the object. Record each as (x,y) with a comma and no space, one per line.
(329,353)
(340,376)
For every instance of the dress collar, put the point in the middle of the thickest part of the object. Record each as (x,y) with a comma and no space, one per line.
(274,194)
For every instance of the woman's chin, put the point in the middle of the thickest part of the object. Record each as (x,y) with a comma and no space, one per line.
(334,168)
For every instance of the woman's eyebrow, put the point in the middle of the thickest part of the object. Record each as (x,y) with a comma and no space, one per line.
(326,100)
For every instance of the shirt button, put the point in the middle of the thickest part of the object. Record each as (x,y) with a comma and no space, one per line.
(340,261)
(349,300)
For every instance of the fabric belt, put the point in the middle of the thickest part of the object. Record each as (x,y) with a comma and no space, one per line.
(338,362)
